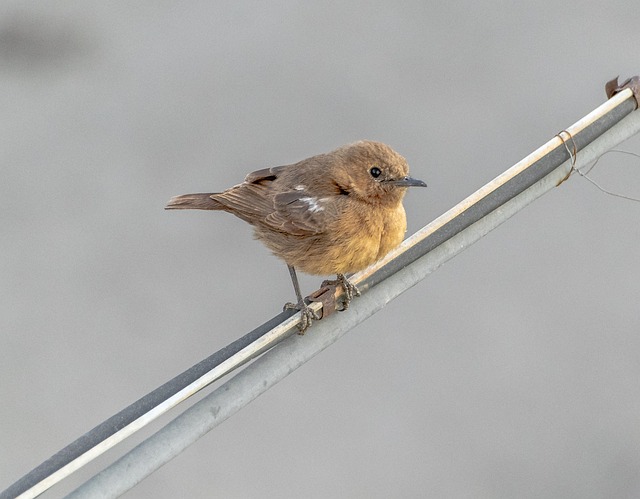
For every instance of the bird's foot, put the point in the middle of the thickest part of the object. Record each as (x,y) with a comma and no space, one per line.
(350,290)
(307,315)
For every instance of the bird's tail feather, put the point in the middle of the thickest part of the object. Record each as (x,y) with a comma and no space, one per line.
(193,202)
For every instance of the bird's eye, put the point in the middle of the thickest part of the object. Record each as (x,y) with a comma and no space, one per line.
(375,172)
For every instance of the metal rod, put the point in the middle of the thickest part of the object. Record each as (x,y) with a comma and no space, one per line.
(151,406)
(445,237)
(512,183)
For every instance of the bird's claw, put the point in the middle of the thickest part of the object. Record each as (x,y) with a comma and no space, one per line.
(307,315)
(350,289)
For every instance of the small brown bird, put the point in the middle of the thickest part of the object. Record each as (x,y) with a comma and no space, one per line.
(334,213)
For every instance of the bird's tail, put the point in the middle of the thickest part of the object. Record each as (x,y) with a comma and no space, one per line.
(193,202)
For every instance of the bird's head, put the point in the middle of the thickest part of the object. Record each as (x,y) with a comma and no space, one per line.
(374,172)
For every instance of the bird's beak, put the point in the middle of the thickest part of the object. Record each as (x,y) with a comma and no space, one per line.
(407,182)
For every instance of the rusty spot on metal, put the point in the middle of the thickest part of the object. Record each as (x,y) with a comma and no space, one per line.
(327,296)
(612,88)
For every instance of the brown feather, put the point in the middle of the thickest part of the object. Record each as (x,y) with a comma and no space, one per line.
(194,202)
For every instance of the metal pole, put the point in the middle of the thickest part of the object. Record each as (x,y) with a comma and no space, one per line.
(462,216)
(137,415)
(418,256)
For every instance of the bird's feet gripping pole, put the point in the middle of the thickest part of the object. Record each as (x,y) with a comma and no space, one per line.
(307,315)
(350,290)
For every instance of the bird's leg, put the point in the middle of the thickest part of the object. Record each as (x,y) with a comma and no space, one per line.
(350,290)
(306,313)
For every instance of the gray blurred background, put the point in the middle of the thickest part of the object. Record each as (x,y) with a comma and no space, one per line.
(513,371)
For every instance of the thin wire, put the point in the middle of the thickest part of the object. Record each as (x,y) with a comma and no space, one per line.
(573,154)
(584,174)
(593,165)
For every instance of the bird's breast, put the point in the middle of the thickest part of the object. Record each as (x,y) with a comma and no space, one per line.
(363,237)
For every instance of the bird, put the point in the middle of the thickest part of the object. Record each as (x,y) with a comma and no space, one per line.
(332,213)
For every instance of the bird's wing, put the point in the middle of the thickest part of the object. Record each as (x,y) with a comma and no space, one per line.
(293,211)
(299,212)
(252,200)
(264,175)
